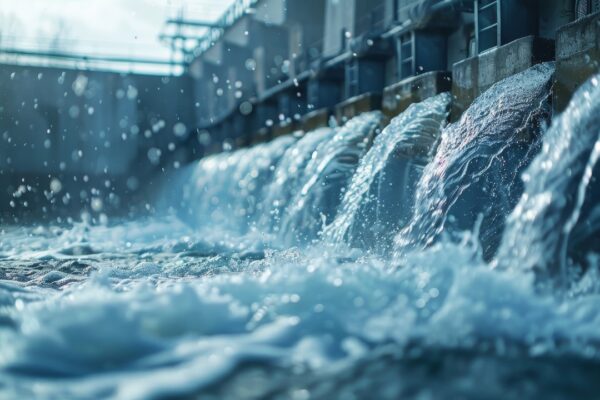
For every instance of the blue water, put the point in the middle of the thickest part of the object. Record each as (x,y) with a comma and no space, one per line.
(260,275)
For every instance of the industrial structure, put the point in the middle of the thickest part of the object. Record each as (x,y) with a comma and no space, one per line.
(277,66)
(273,67)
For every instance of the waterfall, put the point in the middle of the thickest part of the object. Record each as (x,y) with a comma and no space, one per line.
(558,217)
(287,188)
(225,189)
(381,192)
(287,177)
(325,178)
(473,181)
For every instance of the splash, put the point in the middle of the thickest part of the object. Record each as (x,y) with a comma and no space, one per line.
(473,181)
(199,304)
(225,189)
(325,178)
(381,189)
(288,177)
(162,326)
(557,219)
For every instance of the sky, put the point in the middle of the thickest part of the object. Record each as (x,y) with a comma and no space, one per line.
(98,27)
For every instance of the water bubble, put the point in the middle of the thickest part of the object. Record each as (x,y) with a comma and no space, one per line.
(204,137)
(250,64)
(180,130)
(55,185)
(246,108)
(74,111)
(154,155)
(133,183)
(96,204)
(79,85)
(132,92)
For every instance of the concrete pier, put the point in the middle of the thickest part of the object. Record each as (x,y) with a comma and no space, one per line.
(473,76)
(577,57)
(398,97)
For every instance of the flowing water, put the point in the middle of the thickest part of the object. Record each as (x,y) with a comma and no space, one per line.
(368,215)
(474,180)
(232,293)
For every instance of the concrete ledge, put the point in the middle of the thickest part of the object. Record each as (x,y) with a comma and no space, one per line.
(397,97)
(315,120)
(284,129)
(577,57)
(261,136)
(356,106)
(475,75)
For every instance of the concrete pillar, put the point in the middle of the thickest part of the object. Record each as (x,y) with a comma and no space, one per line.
(577,57)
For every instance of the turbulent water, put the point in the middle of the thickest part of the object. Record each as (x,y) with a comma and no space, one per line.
(232,293)
(558,217)
(368,214)
(474,180)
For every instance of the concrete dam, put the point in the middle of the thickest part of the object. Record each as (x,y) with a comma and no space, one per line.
(335,199)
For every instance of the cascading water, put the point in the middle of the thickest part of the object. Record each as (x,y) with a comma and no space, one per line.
(288,177)
(326,176)
(225,189)
(473,181)
(189,306)
(380,196)
(557,220)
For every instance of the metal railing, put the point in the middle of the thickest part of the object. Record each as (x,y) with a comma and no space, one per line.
(311,53)
(233,14)
(65,59)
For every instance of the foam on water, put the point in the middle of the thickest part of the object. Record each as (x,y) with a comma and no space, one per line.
(206,303)
(138,331)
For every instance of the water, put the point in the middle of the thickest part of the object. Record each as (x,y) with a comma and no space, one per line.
(557,219)
(325,178)
(474,180)
(381,191)
(209,299)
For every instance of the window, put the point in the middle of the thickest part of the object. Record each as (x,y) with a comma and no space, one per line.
(586,7)
(406,55)
(487,19)
(352,84)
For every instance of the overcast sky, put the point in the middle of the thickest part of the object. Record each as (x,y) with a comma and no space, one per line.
(106,27)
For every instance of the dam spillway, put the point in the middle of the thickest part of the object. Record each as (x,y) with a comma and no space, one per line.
(224,298)
(413,250)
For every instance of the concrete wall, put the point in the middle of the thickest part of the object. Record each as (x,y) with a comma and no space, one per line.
(577,57)
(86,122)
(73,140)
(475,75)
(339,17)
